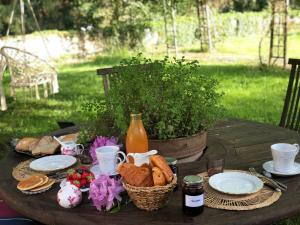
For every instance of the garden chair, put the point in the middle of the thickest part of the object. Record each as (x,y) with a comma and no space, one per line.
(3,106)
(290,117)
(105,72)
(29,71)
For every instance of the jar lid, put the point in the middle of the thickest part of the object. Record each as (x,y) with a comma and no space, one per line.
(193,179)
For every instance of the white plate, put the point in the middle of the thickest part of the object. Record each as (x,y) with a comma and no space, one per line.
(96,171)
(52,163)
(235,183)
(269,167)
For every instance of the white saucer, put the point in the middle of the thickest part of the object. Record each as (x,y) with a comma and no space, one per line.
(96,171)
(269,167)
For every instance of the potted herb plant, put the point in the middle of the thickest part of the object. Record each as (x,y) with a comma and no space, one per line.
(177,101)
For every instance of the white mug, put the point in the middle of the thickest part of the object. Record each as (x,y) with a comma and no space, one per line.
(71,148)
(109,160)
(284,156)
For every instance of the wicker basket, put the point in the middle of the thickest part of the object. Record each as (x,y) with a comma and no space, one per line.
(150,198)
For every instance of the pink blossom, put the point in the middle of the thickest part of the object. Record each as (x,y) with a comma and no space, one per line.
(99,142)
(105,192)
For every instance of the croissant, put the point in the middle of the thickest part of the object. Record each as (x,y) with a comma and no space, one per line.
(161,163)
(136,176)
(158,177)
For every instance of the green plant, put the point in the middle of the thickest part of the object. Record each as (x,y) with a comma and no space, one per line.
(176,99)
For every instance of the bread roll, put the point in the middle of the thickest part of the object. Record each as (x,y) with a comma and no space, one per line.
(161,163)
(136,176)
(27,144)
(158,177)
(46,146)
(70,137)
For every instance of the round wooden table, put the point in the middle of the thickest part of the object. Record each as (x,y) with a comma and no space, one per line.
(243,144)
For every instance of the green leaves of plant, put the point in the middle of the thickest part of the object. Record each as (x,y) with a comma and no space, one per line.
(176,99)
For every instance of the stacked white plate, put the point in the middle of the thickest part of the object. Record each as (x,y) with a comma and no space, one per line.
(235,183)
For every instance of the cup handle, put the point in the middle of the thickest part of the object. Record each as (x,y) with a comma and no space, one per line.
(124,157)
(297,145)
(80,147)
(119,160)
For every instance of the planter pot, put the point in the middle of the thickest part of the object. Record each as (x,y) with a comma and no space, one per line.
(186,149)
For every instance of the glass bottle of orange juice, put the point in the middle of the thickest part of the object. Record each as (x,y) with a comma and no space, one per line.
(136,139)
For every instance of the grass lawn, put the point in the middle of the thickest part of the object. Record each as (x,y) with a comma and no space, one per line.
(250,92)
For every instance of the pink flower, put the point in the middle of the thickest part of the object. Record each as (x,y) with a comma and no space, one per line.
(99,142)
(105,192)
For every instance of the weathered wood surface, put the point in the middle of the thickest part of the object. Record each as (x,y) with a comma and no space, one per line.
(242,143)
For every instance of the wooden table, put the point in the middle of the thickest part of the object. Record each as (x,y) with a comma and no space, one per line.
(242,143)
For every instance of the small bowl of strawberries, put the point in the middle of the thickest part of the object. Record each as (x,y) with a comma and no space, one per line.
(80,177)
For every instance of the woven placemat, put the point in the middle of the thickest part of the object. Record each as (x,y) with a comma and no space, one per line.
(214,199)
(22,171)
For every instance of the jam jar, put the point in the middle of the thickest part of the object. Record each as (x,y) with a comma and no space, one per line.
(192,195)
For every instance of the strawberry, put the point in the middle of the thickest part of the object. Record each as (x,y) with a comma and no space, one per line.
(83,183)
(84,175)
(70,171)
(84,168)
(69,178)
(75,177)
(90,178)
(76,183)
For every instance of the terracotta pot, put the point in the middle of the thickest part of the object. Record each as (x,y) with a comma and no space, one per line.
(186,149)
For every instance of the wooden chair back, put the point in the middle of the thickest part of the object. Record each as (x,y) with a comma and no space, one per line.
(106,72)
(290,117)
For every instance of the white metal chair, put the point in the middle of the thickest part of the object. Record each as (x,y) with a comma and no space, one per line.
(3,106)
(28,70)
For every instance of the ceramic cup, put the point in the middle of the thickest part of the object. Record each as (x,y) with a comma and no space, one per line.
(284,156)
(71,148)
(109,160)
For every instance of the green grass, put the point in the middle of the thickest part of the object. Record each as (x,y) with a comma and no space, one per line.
(78,85)
(249,93)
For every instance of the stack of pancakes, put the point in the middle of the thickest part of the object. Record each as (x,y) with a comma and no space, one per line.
(35,184)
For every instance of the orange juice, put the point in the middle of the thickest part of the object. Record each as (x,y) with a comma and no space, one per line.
(136,139)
